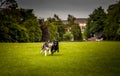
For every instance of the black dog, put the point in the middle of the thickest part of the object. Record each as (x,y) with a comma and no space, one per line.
(55,46)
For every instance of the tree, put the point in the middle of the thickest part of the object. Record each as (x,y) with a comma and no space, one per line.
(112,27)
(74,28)
(71,20)
(19,25)
(68,36)
(96,22)
(33,27)
(44,29)
(8,4)
(5,25)
(52,29)
(18,33)
(76,31)
(60,26)
(10,31)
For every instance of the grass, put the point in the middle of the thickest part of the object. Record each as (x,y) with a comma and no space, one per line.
(74,59)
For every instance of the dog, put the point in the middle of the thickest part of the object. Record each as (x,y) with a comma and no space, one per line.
(55,46)
(50,47)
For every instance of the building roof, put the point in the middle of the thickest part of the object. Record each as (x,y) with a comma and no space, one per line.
(81,20)
(65,21)
(78,20)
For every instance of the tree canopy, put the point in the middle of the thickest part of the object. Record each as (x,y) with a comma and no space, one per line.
(96,22)
(8,4)
(112,27)
(17,24)
(21,25)
(107,24)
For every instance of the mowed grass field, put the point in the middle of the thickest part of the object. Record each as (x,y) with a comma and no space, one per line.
(74,59)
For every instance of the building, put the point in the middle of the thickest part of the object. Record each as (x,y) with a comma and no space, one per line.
(81,21)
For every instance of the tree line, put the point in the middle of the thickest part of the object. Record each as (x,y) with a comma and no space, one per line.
(104,24)
(54,28)
(21,25)
(18,24)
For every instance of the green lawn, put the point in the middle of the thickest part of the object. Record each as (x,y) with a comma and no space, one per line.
(74,59)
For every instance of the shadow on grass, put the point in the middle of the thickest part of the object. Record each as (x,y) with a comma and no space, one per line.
(55,55)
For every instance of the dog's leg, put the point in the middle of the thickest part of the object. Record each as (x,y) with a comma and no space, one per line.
(45,52)
(49,51)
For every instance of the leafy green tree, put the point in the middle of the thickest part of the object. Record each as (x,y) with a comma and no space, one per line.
(6,22)
(44,29)
(19,25)
(76,31)
(4,34)
(96,22)
(71,20)
(60,26)
(18,33)
(33,27)
(52,29)
(74,28)
(10,31)
(112,28)
(68,36)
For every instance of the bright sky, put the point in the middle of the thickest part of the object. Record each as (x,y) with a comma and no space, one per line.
(77,8)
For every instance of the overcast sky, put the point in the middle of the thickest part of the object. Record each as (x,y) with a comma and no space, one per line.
(77,8)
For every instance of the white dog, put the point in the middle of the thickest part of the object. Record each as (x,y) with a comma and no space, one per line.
(46,47)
